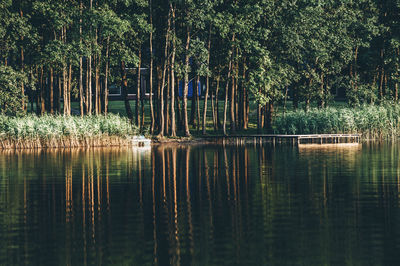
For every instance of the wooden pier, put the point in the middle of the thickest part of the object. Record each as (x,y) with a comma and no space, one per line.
(291,139)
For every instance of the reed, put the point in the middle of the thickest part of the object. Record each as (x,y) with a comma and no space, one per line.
(65,131)
(371,121)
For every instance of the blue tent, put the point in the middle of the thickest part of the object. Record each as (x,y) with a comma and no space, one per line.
(190,88)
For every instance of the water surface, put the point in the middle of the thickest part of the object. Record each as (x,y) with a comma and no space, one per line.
(201,205)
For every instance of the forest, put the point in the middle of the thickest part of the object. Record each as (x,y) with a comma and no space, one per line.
(249,55)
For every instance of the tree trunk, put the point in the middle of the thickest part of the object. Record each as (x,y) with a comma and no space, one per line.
(158,92)
(51,91)
(207,83)
(124,88)
(89,88)
(162,122)
(178,112)
(173,122)
(166,99)
(97,83)
(236,98)
(142,97)
(59,94)
(86,97)
(244,98)
(217,116)
(226,98)
(106,76)
(65,89)
(321,103)
(42,92)
(269,114)
(193,106)
(89,98)
(151,69)
(381,76)
(214,117)
(31,92)
(396,86)
(138,89)
(68,95)
(22,66)
(186,84)
(259,117)
(80,62)
(233,100)
(198,88)
(227,85)
(38,92)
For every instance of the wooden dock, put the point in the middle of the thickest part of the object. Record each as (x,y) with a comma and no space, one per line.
(292,139)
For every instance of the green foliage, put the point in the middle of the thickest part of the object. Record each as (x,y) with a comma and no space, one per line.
(304,48)
(11,91)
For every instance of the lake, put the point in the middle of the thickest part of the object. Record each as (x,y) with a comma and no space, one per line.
(201,205)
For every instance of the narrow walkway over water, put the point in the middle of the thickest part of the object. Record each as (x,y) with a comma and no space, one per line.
(294,139)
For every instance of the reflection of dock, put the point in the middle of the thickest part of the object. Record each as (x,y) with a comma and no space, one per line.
(292,139)
(328,146)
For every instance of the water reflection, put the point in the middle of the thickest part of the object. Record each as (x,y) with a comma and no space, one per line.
(206,204)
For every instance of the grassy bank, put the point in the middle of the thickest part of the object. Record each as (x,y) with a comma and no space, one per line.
(59,131)
(371,121)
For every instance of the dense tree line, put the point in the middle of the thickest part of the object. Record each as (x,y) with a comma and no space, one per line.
(53,52)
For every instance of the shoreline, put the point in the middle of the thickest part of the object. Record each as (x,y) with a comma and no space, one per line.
(66,142)
(141,141)
(9,143)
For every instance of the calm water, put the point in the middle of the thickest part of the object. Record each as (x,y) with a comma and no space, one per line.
(201,205)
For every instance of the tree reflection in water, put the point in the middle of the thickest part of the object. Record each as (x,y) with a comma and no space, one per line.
(202,204)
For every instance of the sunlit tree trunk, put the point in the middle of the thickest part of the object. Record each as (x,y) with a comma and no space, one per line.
(106,76)
(59,94)
(151,69)
(80,62)
(232,102)
(97,82)
(42,92)
(161,111)
(186,84)
(67,101)
(227,84)
(245,103)
(178,111)
(65,89)
(51,83)
(22,67)
(138,89)
(89,91)
(173,122)
(166,99)
(207,84)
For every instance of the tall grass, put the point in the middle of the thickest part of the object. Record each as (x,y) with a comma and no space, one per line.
(371,121)
(61,131)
